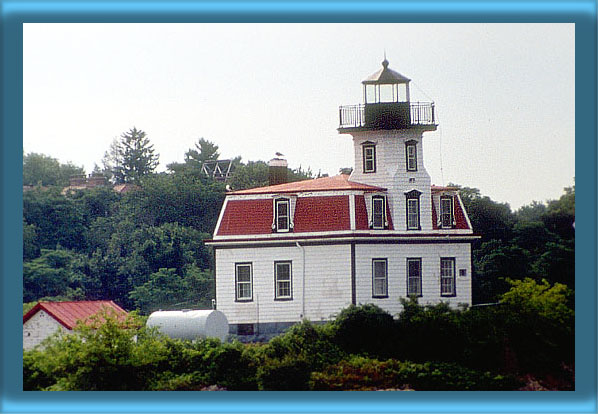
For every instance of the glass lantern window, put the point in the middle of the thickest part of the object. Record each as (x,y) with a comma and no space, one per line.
(387,93)
(370,94)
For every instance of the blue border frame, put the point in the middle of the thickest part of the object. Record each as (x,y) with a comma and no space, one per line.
(15,13)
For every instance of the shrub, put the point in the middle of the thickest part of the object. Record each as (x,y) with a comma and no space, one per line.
(431,333)
(365,329)
(359,373)
(310,343)
(286,374)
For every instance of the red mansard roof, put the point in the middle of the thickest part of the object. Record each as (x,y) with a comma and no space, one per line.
(322,214)
(69,313)
(247,217)
(338,182)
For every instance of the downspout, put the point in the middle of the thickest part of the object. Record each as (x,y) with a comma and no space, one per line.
(302,281)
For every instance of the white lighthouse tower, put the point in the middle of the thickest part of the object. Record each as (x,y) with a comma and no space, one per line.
(387,132)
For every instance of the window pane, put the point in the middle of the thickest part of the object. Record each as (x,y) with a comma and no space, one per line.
(379,268)
(386,93)
(412,213)
(414,277)
(282,215)
(446,206)
(378,213)
(380,287)
(370,93)
(283,271)
(243,274)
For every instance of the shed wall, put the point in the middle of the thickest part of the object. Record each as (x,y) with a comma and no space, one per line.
(39,327)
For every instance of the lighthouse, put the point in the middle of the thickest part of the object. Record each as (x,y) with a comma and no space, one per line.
(387,130)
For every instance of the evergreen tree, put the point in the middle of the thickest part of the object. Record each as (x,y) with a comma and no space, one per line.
(131,158)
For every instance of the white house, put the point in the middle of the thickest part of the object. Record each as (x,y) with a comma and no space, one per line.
(46,318)
(308,249)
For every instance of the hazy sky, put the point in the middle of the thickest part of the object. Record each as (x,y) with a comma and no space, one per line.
(504,94)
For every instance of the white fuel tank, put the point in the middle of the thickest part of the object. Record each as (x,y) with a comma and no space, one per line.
(190,324)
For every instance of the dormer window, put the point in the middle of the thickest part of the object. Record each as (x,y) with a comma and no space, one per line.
(412,199)
(379,213)
(411,155)
(446,212)
(282,220)
(369,157)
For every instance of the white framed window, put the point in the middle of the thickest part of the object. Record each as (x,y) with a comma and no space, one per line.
(243,282)
(446,212)
(411,155)
(379,278)
(414,276)
(283,283)
(283,215)
(447,276)
(378,212)
(412,214)
(369,158)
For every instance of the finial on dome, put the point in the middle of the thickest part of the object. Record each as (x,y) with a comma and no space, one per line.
(385,62)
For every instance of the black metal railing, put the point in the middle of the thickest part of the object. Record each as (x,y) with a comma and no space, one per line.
(356,116)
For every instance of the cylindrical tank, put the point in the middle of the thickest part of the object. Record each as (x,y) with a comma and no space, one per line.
(190,324)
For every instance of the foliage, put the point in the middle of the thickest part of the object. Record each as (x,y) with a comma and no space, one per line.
(55,274)
(43,170)
(203,151)
(305,341)
(58,220)
(131,158)
(365,329)
(188,200)
(420,330)
(166,289)
(359,373)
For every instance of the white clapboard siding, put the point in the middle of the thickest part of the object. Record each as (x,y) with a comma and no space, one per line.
(39,327)
(327,283)
(391,172)
(396,256)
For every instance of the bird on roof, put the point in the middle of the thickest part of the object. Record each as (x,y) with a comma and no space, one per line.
(278,154)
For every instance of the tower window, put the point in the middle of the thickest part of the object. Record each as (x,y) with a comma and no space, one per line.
(369,158)
(446,212)
(282,212)
(411,155)
(379,278)
(413,210)
(378,212)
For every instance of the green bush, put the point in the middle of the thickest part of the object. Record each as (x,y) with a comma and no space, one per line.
(366,330)
(359,373)
(286,374)
(308,342)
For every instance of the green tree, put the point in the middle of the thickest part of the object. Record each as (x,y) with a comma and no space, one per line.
(132,157)
(43,170)
(166,289)
(203,151)
(31,248)
(56,274)
(58,220)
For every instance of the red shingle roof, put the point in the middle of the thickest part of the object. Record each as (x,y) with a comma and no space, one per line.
(69,313)
(247,217)
(322,214)
(338,182)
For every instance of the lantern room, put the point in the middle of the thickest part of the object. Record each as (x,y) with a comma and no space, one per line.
(387,105)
